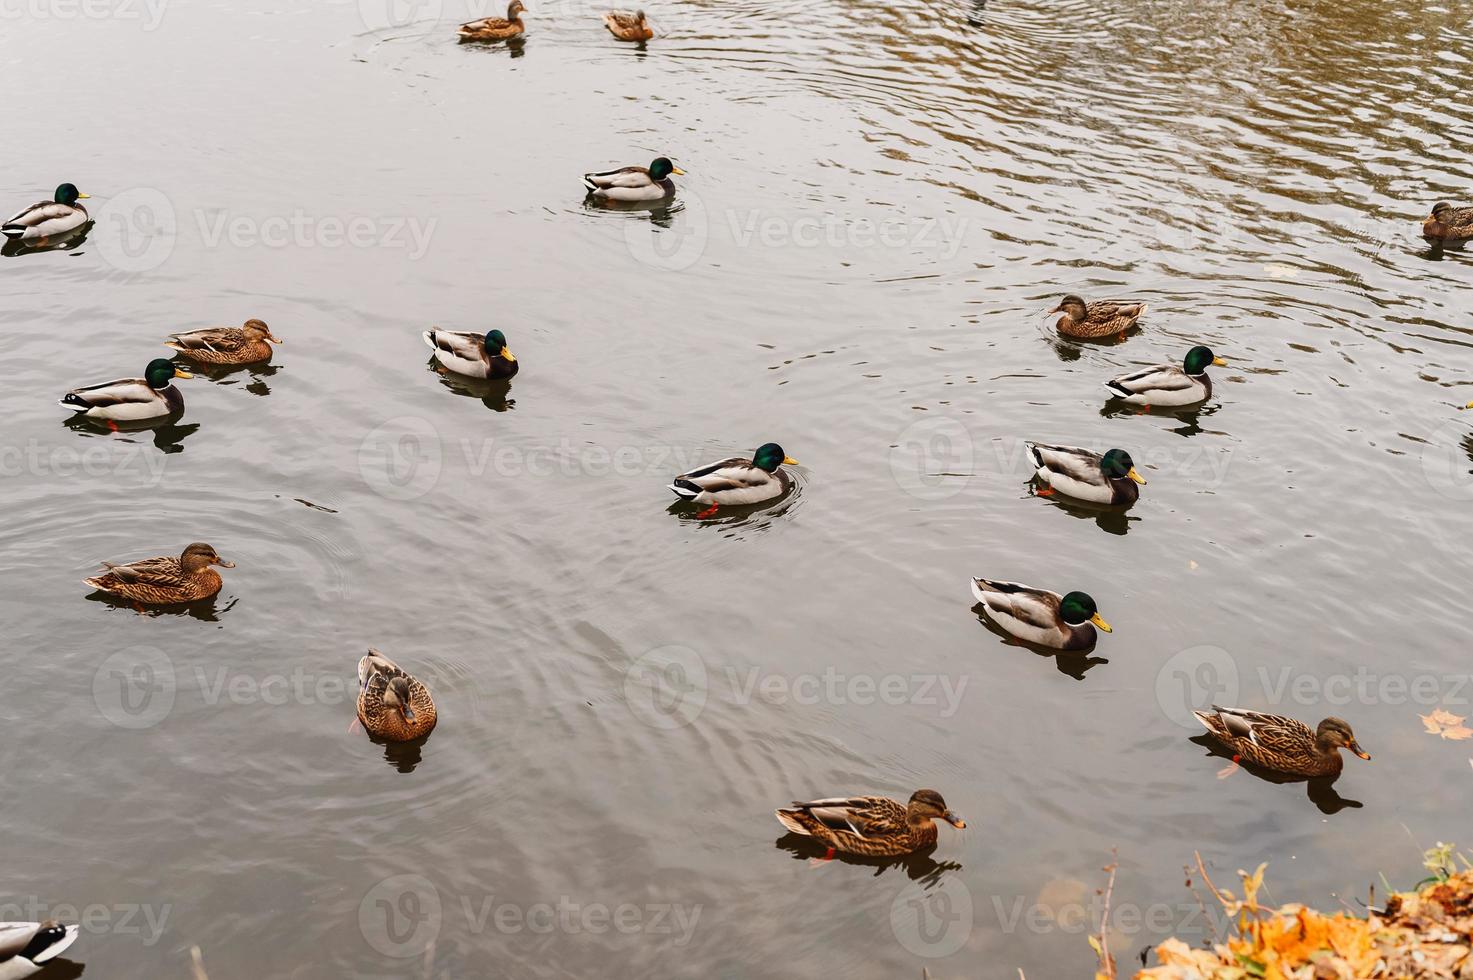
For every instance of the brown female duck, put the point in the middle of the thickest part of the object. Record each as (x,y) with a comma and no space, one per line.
(628,27)
(1282,744)
(392,704)
(1098,319)
(249,343)
(1448,224)
(495,28)
(164,581)
(872,826)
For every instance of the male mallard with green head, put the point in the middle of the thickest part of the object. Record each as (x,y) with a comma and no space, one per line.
(1098,319)
(736,481)
(392,704)
(164,581)
(1041,617)
(1282,744)
(472,354)
(631,185)
(25,947)
(628,27)
(132,399)
(1168,385)
(1083,475)
(1448,224)
(871,826)
(495,28)
(249,343)
(48,218)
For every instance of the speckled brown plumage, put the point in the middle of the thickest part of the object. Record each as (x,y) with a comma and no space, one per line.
(1282,744)
(1448,224)
(628,27)
(495,28)
(1098,319)
(873,826)
(164,581)
(392,703)
(249,343)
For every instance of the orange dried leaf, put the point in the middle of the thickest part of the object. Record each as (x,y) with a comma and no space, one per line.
(1446,724)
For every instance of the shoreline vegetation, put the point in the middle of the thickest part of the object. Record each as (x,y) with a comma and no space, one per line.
(1421,934)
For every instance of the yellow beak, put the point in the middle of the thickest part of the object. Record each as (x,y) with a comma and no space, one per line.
(1100,623)
(1219,362)
(181,373)
(507,354)
(1136,476)
(677,171)
(789,461)
(81,195)
(1469,405)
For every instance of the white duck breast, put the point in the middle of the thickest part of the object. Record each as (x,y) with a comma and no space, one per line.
(129,400)
(44,220)
(1077,473)
(463,353)
(26,946)
(731,481)
(1161,384)
(1027,613)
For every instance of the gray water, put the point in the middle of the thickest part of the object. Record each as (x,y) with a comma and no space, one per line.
(882,202)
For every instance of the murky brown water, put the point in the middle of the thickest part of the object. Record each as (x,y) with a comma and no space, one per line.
(882,201)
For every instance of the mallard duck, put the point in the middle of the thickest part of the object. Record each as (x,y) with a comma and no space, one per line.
(1079,473)
(1169,385)
(1097,319)
(495,28)
(248,343)
(391,703)
(26,946)
(1445,224)
(634,184)
(132,399)
(874,826)
(164,581)
(737,481)
(473,354)
(628,27)
(55,217)
(1282,744)
(1041,617)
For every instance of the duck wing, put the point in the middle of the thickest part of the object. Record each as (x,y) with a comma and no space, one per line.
(1036,607)
(165,572)
(1157,377)
(734,473)
(630,178)
(863,816)
(1076,464)
(126,391)
(222,340)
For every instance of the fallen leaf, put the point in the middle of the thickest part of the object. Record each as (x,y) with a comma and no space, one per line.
(1448,725)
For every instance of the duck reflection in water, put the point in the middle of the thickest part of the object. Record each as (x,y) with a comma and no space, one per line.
(917,866)
(1070,663)
(1320,789)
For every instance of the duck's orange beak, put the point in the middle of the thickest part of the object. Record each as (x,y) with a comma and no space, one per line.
(955,820)
(1354,746)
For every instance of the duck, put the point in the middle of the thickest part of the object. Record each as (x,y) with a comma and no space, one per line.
(57,216)
(630,185)
(472,354)
(392,704)
(249,343)
(164,581)
(1447,223)
(1041,617)
(871,826)
(495,28)
(132,399)
(1098,319)
(737,481)
(628,27)
(1167,385)
(1083,475)
(25,947)
(1282,744)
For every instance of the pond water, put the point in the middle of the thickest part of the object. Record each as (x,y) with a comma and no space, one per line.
(882,200)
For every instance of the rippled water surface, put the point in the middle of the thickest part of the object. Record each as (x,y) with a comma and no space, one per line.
(882,200)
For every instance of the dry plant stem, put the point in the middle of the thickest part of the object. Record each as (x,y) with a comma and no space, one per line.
(1109,964)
